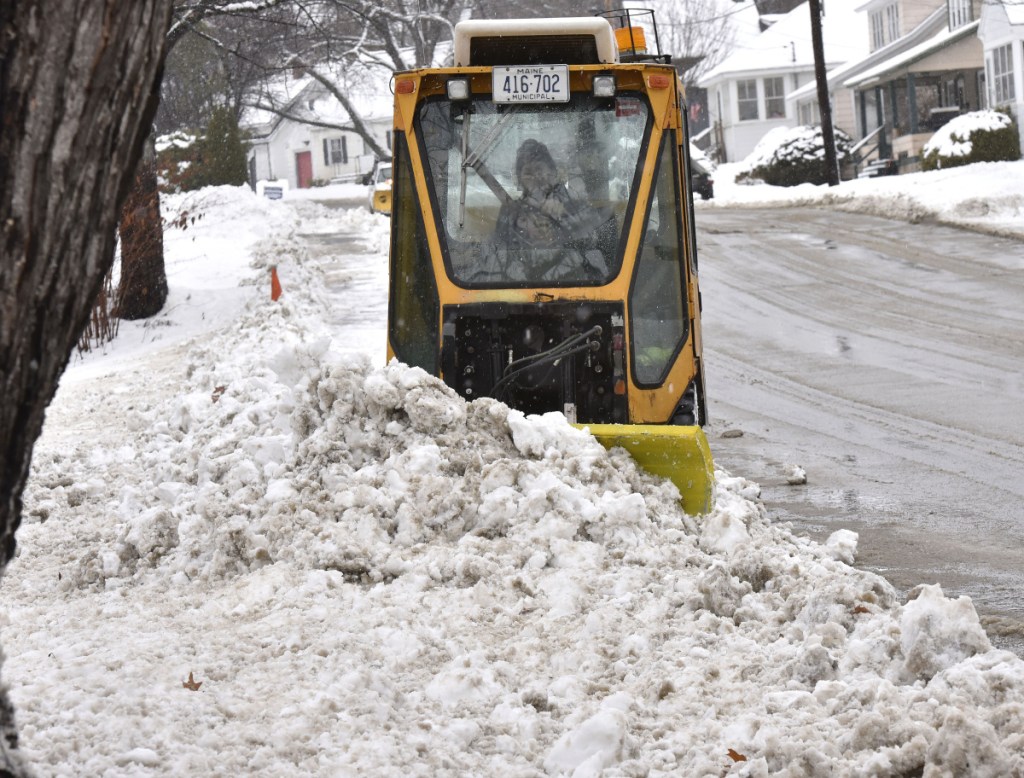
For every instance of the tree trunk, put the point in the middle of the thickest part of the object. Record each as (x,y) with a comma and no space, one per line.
(142,291)
(79,84)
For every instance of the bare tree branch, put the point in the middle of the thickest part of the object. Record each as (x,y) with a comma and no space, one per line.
(188,15)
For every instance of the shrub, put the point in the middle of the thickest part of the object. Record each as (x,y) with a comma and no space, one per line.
(176,156)
(191,161)
(795,156)
(223,150)
(979,136)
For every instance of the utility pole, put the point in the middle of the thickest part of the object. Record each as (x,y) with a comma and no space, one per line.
(828,136)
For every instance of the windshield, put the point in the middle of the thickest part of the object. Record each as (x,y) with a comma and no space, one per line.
(383,174)
(533,195)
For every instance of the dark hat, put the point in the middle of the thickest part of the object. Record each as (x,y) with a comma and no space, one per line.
(532,151)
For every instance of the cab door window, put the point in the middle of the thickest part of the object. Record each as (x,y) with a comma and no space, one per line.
(659,319)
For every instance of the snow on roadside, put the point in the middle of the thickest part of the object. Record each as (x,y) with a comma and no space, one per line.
(986,196)
(366,575)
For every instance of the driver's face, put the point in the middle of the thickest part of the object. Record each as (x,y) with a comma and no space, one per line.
(537,176)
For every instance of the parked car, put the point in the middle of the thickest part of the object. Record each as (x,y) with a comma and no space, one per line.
(380,189)
(880,167)
(701,181)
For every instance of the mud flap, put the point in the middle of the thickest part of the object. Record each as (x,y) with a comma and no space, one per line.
(680,454)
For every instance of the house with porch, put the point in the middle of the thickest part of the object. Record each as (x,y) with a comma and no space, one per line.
(925,67)
(1001,32)
(747,91)
(299,131)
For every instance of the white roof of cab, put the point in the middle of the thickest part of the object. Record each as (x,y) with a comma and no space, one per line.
(607,50)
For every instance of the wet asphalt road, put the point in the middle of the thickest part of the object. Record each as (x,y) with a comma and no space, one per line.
(885,359)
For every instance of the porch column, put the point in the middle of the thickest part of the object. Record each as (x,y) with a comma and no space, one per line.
(884,147)
(912,102)
(894,105)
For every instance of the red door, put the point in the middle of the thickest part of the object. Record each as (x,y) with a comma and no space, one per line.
(304,168)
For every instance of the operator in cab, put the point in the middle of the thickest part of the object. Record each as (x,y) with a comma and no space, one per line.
(547,234)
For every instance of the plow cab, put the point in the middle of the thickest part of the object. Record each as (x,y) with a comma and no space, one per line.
(542,244)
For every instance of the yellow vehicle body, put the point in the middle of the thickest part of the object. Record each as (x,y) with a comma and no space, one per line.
(380,189)
(578,294)
(381,201)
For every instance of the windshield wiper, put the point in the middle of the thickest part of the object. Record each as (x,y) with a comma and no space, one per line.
(475,159)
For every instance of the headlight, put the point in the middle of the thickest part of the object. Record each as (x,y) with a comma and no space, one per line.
(604,86)
(458,89)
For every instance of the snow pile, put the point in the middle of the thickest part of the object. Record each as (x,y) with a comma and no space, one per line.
(354,469)
(953,139)
(985,196)
(250,554)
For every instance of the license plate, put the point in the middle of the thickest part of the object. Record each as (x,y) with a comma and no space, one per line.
(530,84)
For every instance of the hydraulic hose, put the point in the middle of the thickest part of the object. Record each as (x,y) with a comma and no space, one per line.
(568,347)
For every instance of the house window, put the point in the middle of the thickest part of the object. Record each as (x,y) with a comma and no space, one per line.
(892,23)
(885,25)
(877,30)
(335,151)
(774,98)
(960,13)
(746,99)
(1002,75)
(387,139)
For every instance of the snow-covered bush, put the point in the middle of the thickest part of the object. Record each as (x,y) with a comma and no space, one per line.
(214,157)
(788,156)
(979,136)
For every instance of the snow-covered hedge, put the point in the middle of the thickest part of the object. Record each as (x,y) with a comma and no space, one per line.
(979,136)
(793,155)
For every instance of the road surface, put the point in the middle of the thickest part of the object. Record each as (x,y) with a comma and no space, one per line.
(885,359)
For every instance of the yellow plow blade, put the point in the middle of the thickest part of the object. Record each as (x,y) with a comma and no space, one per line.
(680,454)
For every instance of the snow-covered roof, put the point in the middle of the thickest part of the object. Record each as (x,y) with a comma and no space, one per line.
(283,91)
(786,45)
(305,97)
(366,83)
(913,54)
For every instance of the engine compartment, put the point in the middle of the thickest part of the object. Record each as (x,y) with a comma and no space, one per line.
(539,357)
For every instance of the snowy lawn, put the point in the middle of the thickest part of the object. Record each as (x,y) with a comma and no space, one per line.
(249,550)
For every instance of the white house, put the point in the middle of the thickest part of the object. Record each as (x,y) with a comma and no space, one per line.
(1001,32)
(747,91)
(303,134)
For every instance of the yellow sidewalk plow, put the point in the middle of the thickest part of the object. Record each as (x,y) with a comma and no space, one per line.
(680,454)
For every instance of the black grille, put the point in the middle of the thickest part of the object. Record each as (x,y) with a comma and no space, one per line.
(533,50)
(499,350)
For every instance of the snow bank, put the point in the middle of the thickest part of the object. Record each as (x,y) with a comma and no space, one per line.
(986,196)
(366,575)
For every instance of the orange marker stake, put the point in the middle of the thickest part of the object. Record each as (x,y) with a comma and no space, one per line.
(275,283)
